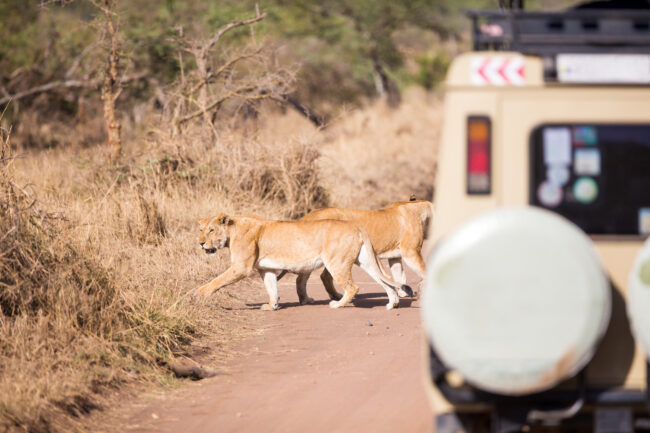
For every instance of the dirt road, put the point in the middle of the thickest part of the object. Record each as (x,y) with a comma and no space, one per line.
(357,369)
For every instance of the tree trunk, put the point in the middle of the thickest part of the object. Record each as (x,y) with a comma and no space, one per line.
(202,70)
(386,88)
(203,73)
(113,125)
(112,87)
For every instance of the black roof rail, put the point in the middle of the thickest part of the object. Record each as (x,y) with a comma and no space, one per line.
(546,34)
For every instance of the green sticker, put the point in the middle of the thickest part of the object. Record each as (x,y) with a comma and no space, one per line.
(585,190)
(645,273)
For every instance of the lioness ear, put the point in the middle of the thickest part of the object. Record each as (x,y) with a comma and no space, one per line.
(412,197)
(204,221)
(226,221)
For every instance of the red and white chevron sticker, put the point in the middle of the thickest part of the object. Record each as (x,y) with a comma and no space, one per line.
(498,71)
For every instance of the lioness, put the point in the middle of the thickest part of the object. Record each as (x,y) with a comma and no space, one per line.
(296,246)
(396,233)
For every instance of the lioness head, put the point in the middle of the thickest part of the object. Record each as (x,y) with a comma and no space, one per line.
(214,233)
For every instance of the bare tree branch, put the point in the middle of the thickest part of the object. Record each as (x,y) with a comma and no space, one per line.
(229,64)
(231,26)
(48,87)
(203,76)
(301,108)
(77,60)
(65,84)
(237,92)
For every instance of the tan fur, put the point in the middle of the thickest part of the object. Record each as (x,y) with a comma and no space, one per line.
(396,232)
(296,246)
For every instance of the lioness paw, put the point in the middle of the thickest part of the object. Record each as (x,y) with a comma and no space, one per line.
(269,307)
(336,297)
(335,304)
(405,291)
(306,300)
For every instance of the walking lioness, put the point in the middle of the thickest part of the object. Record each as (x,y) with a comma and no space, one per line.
(296,246)
(396,233)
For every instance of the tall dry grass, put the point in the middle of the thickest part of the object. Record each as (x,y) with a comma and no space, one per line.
(99,260)
(69,327)
(376,155)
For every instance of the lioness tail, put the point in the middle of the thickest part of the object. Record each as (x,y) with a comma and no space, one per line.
(371,263)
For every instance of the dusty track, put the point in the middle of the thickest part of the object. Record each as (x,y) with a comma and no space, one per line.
(313,370)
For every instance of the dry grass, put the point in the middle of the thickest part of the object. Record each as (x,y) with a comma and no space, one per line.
(69,327)
(95,274)
(377,155)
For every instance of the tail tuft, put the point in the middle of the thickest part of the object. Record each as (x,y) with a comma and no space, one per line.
(408,290)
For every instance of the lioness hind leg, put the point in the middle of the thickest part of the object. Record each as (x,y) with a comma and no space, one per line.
(413,258)
(328,282)
(271,284)
(400,276)
(301,288)
(345,280)
(369,263)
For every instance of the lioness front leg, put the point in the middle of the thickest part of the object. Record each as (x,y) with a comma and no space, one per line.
(271,284)
(231,275)
(301,288)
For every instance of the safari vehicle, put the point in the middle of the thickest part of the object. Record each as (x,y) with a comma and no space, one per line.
(536,304)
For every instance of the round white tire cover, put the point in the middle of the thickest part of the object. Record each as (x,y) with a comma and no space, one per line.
(516,300)
(638,298)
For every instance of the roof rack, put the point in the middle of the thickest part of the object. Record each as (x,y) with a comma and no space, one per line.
(546,34)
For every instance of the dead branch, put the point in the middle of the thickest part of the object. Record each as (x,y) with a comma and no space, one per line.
(203,76)
(66,84)
(46,88)
(314,118)
(229,64)
(231,26)
(237,92)
(194,372)
(77,61)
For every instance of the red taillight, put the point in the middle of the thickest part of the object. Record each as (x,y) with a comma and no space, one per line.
(478,155)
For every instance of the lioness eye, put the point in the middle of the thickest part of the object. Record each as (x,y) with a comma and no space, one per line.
(211,230)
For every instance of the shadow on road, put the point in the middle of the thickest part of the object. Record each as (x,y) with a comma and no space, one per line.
(362,300)
(256,306)
(379,299)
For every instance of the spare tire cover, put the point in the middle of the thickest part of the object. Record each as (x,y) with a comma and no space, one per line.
(638,298)
(516,300)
